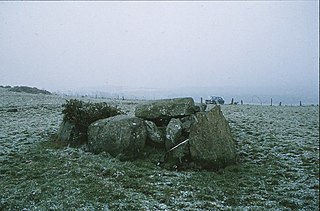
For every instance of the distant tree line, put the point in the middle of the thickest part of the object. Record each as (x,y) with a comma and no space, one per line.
(27,89)
(6,87)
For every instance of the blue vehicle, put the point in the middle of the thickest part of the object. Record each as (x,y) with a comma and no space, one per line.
(215,100)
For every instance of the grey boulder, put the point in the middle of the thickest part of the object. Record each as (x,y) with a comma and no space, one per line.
(187,122)
(210,141)
(120,135)
(173,133)
(200,107)
(67,133)
(154,134)
(180,153)
(161,111)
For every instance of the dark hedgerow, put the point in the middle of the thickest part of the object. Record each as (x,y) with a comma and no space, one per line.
(82,114)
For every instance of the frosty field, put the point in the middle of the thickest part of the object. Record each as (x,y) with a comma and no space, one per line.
(278,167)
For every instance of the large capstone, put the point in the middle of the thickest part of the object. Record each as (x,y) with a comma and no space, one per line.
(210,140)
(161,111)
(119,135)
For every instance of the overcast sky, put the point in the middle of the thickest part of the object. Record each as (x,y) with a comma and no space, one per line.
(238,46)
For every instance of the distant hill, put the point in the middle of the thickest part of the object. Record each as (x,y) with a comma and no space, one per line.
(27,89)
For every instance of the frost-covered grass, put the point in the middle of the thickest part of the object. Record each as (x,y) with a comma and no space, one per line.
(278,166)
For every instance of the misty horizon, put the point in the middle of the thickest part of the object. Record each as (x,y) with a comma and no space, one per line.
(119,93)
(245,50)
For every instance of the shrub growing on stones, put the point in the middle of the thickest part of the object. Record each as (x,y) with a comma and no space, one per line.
(82,114)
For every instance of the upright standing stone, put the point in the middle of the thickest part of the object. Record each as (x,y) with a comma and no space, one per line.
(210,140)
(67,133)
(173,133)
(154,134)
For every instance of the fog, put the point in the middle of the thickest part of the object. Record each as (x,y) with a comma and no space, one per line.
(244,49)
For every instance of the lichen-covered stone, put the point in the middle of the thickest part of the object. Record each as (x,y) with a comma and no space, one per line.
(210,140)
(67,133)
(180,153)
(119,135)
(161,111)
(154,134)
(187,122)
(173,133)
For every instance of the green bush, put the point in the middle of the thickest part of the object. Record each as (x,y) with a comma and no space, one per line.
(82,114)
